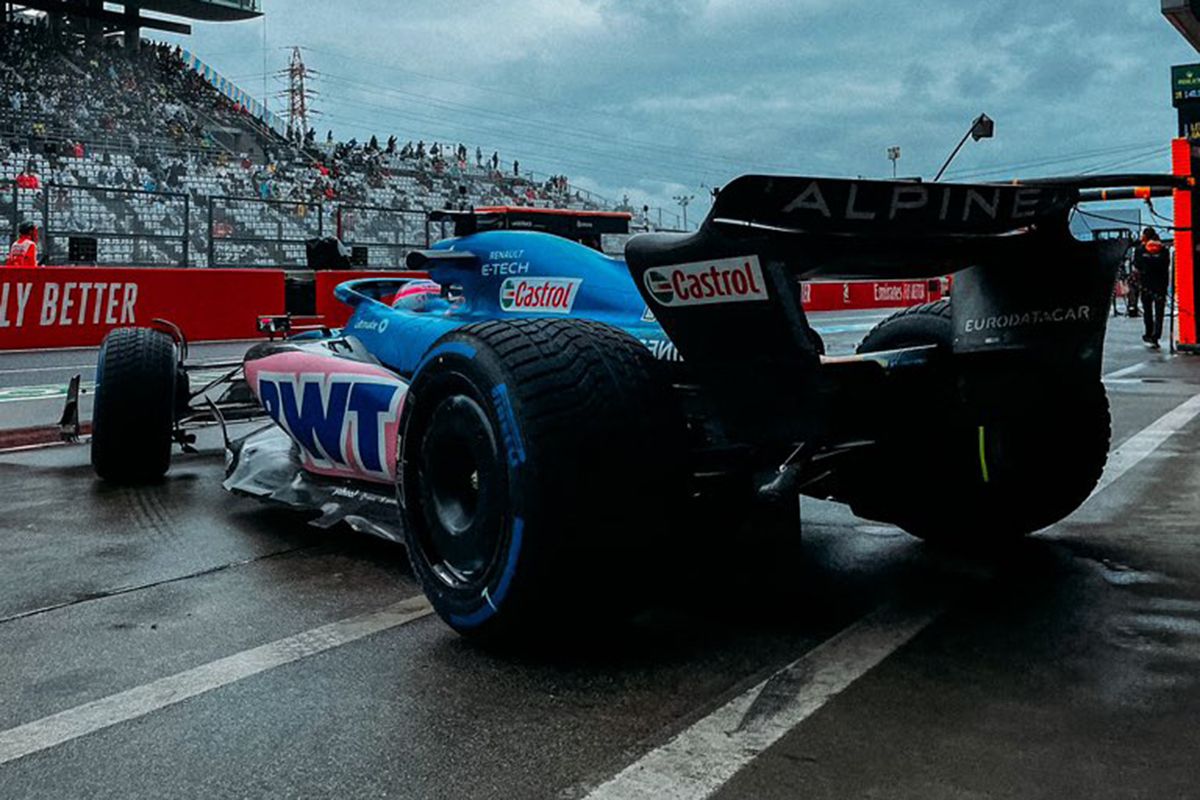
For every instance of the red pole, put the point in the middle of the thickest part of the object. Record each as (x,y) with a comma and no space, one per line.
(1185,249)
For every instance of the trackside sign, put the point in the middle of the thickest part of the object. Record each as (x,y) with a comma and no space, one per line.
(77,306)
(726,280)
(60,304)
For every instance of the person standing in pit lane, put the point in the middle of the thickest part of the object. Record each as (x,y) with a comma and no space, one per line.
(1128,278)
(23,252)
(1152,266)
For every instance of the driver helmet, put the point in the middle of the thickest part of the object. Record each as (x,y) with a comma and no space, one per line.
(415,295)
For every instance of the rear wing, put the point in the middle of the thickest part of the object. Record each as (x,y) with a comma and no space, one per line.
(728,295)
(838,228)
(568,223)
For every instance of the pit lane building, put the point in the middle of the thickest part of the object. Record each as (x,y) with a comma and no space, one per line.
(91,16)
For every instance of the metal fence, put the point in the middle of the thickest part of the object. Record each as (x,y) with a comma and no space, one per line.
(98,225)
(381,237)
(84,224)
(252,232)
(8,210)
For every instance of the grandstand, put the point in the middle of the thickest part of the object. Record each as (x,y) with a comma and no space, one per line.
(152,158)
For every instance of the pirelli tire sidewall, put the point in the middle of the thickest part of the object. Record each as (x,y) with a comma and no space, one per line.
(591,477)
(456,369)
(133,416)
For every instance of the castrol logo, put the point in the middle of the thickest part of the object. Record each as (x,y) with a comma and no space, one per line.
(727,280)
(539,295)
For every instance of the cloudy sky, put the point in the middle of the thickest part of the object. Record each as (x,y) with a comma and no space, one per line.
(657,98)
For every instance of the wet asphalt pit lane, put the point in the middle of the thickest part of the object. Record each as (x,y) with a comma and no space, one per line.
(882,531)
(1133,636)
(1123,575)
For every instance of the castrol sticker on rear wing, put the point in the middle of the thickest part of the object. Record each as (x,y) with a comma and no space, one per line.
(726,280)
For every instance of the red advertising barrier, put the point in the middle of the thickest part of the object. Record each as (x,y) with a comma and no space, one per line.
(77,306)
(332,311)
(1187,288)
(849,295)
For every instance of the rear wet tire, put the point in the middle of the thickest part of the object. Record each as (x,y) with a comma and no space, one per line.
(540,463)
(986,457)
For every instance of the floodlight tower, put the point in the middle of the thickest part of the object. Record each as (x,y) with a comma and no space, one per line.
(683,200)
(893,156)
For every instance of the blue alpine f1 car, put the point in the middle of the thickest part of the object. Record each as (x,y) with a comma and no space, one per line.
(540,423)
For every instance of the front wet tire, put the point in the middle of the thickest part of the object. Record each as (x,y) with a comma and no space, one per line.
(133,416)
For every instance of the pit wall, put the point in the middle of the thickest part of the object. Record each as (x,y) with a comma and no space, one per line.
(60,307)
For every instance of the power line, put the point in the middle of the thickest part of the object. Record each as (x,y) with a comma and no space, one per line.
(451,128)
(1047,161)
(1126,222)
(660,150)
(443,135)
(537,101)
(1159,152)
(541,107)
(605,161)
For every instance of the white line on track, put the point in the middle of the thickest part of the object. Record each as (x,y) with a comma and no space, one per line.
(90,717)
(54,391)
(704,757)
(701,759)
(1133,450)
(92,366)
(214,343)
(1126,372)
(64,368)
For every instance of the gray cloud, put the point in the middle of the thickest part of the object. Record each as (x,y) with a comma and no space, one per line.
(654,97)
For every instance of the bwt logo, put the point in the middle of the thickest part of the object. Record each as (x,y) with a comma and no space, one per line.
(727,280)
(339,421)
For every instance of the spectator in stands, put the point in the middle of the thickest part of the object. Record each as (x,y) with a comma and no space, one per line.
(28,179)
(156,120)
(176,173)
(23,252)
(516,167)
